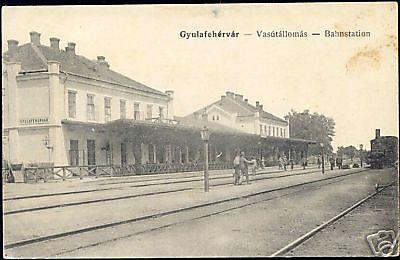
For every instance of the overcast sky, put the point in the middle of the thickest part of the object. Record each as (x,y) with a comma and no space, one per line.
(352,80)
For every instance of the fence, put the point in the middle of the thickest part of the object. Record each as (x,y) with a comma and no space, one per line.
(46,173)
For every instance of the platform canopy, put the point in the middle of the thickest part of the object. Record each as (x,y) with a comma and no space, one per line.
(184,130)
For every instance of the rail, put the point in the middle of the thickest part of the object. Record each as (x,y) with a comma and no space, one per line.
(49,173)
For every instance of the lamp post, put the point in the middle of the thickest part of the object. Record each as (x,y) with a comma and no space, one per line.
(46,142)
(205,136)
(322,157)
(361,155)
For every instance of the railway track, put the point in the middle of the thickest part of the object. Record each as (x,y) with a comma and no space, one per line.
(321,227)
(193,178)
(244,199)
(70,204)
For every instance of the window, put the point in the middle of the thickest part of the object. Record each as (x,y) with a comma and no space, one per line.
(261,129)
(90,107)
(91,152)
(273,131)
(161,112)
(136,111)
(265,129)
(107,109)
(281,132)
(149,111)
(213,118)
(217,118)
(269,130)
(73,152)
(122,109)
(71,104)
(284,133)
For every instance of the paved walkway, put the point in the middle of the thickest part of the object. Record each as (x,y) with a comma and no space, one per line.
(29,225)
(11,190)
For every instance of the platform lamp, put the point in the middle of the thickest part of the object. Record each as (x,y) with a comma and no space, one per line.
(46,142)
(361,155)
(322,156)
(205,136)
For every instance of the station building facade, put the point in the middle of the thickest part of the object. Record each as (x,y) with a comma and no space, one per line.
(235,112)
(56,103)
(63,109)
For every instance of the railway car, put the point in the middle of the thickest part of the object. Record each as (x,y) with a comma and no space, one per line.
(384,151)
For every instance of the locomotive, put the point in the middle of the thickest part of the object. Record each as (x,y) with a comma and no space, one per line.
(384,151)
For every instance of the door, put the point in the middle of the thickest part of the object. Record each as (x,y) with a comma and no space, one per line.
(73,152)
(91,152)
(123,153)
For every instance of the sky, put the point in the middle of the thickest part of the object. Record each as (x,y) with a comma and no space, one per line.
(352,80)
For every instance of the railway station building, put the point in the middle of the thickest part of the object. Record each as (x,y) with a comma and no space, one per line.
(54,102)
(235,112)
(63,109)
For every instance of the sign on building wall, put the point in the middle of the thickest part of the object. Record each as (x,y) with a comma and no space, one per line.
(34,121)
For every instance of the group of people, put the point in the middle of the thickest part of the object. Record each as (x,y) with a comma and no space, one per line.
(242,166)
(332,161)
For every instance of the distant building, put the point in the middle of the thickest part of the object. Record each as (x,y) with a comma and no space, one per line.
(234,111)
(54,101)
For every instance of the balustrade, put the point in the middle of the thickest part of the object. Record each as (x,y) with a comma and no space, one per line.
(51,173)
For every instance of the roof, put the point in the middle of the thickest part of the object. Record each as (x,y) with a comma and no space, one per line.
(244,109)
(194,123)
(35,57)
(187,125)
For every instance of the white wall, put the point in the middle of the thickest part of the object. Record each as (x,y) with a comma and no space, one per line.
(224,118)
(100,93)
(32,148)
(33,98)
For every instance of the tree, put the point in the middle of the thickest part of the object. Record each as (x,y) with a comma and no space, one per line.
(314,127)
(349,151)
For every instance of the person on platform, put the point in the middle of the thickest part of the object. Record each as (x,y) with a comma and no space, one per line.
(284,161)
(291,163)
(253,166)
(319,162)
(236,167)
(332,162)
(304,161)
(243,162)
(339,163)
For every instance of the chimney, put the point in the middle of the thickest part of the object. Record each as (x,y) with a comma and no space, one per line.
(12,45)
(71,47)
(170,93)
(238,97)
(101,60)
(35,38)
(223,97)
(55,43)
(377,133)
(246,100)
(230,94)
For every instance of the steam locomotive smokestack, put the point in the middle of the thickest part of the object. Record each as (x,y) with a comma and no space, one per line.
(377,133)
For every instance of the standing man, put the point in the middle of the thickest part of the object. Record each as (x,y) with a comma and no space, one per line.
(303,161)
(243,167)
(284,160)
(319,162)
(332,162)
(236,167)
(291,163)
(339,162)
